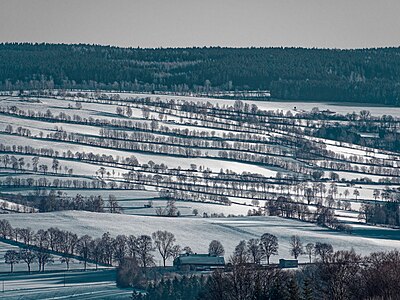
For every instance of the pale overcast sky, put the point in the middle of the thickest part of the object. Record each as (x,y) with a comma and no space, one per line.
(180,23)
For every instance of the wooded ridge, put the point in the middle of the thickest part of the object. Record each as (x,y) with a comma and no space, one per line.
(360,75)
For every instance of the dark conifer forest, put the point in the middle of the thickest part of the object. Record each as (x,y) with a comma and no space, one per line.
(362,75)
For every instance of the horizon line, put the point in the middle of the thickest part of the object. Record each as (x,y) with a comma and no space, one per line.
(193,47)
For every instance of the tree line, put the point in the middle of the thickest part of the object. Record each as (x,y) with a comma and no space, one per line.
(333,274)
(190,185)
(343,275)
(41,246)
(362,75)
(260,121)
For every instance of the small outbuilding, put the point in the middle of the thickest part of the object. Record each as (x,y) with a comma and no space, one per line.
(288,263)
(198,262)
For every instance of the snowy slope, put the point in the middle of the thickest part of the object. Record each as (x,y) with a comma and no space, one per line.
(198,232)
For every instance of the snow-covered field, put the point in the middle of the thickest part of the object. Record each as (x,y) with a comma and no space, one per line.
(341,108)
(195,232)
(173,162)
(198,232)
(136,207)
(15,207)
(62,285)
(56,265)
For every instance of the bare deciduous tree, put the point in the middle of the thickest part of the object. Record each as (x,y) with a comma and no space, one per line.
(216,248)
(28,257)
(296,246)
(83,248)
(240,255)
(11,257)
(255,250)
(144,248)
(269,244)
(164,243)
(324,250)
(310,250)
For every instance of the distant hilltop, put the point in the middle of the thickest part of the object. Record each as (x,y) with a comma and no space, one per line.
(360,75)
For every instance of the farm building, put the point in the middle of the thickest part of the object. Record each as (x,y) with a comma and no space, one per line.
(288,263)
(198,262)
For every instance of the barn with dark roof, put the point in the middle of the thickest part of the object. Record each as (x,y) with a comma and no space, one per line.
(198,262)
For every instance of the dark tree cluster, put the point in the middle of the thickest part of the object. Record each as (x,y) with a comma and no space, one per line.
(362,75)
(387,213)
(343,275)
(54,201)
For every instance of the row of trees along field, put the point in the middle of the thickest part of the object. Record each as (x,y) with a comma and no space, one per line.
(245,122)
(362,75)
(41,245)
(107,250)
(116,250)
(342,127)
(238,151)
(288,198)
(331,275)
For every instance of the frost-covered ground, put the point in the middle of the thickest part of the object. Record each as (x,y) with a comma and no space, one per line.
(134,201)
(56,265)
(341,108)
(62,285)
(108,112)
(173,162)
(198,232)
(15,207)
(136,207)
